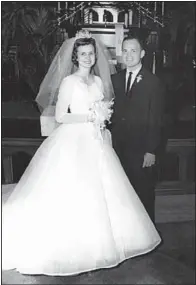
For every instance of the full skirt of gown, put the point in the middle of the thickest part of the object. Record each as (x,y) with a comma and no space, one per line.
(74,209)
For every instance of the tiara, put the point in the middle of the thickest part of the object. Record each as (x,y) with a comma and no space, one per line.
(83,34)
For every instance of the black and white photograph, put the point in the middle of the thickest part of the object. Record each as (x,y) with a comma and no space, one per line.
(98,142)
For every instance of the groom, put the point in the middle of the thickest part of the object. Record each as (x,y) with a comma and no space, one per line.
(137,120)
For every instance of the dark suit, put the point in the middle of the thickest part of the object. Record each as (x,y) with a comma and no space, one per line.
(136,129)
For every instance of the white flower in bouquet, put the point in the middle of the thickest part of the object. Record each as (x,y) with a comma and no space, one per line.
(103,112)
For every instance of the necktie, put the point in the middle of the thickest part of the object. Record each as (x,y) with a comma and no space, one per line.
(128,82)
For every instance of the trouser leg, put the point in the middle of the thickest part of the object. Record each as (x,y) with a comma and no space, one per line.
(142,179)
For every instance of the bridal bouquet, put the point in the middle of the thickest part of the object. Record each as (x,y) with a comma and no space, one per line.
(102,111)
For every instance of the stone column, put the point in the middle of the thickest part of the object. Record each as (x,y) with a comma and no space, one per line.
(115,16)
(100,15)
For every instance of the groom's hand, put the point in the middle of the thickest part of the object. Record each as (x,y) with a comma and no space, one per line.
(149,160)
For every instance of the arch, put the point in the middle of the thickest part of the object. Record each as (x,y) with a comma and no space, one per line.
(95,16)
(107,16)
(121,17)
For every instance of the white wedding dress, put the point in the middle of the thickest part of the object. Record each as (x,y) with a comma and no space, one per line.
(74,209)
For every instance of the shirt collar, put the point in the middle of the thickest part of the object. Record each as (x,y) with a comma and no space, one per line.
(135,72)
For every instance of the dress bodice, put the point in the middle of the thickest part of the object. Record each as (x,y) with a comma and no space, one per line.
(77,95)
(84,95)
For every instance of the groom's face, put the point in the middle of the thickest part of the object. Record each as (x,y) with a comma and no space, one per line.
(132,53)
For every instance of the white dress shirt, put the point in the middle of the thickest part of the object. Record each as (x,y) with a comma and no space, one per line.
(134,75)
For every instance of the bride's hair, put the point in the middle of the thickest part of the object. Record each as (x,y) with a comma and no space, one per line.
(81,42)
(65,63)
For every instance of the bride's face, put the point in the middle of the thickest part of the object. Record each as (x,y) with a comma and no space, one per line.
(86,56)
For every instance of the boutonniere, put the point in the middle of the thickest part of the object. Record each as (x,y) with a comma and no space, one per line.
(138,78)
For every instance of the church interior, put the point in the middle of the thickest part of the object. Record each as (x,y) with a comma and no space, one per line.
(32,33)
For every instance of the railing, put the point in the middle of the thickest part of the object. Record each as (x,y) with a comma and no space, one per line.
(183,148)
(11,146)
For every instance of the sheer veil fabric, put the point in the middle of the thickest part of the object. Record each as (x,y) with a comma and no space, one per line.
(62,66)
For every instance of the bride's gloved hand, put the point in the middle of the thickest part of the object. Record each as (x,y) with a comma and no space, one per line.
(97,118)
(91,117)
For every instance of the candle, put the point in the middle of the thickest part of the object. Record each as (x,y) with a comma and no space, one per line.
(130,17)
(155,11)
(59,10)
(162,10)
(126,20)
(59,6)
(164,58)
(155,6)
(139,16)
(154,63)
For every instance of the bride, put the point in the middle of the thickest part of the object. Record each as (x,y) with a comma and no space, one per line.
(74,209)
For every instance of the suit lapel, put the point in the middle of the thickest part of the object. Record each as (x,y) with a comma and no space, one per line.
(136,84)
(122,82)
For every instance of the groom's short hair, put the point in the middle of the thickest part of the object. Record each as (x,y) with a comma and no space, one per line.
(135,37)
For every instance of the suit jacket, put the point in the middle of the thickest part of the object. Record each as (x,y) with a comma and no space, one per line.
(137,118)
